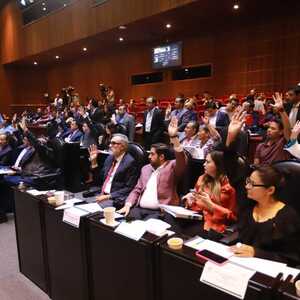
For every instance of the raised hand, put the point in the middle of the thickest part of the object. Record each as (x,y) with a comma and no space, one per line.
(278,101)
(93,151)
(168,110)
(173,127)
(295,131)
(237,121)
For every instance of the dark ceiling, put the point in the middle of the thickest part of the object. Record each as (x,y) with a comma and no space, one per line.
(201,17)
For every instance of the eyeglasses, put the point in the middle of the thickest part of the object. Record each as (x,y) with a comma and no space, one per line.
(114,143)
(252,184)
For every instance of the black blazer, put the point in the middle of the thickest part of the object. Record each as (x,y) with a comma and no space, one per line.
(124,179)
(157,125)
(6,156)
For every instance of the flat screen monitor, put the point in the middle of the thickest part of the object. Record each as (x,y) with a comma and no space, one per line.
(166,56)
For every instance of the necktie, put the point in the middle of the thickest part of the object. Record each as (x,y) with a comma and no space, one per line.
(108,175)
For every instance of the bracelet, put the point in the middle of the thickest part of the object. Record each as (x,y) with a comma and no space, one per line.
(173,136)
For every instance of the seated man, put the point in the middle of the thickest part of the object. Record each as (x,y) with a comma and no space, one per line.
(75,133)
(188,138)
(120,172)
(157,183)
(217,118)
(278,134)
(5,151)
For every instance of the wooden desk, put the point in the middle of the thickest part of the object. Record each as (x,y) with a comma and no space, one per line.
(66,253)
(179,274)
(30,233)
(120,268)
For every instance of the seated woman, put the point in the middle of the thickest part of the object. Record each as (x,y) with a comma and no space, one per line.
(268,228)
(214,196)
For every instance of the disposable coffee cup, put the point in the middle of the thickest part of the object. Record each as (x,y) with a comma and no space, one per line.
(109,215)
(297,285)
(59,198)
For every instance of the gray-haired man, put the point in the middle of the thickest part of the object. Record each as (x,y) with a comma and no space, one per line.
(120,172)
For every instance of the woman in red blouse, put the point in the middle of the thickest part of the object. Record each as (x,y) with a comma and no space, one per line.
(214,196)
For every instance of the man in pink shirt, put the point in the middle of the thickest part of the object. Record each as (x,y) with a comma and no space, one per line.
(158,180)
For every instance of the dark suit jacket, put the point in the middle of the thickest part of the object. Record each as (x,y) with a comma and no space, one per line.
(6,156)
(76,137)
(157,125)
(222,119)
(129,123)
(26,158)
(97,116)
(124,179)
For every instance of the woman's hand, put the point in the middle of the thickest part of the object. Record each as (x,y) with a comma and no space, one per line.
(235,125)
(189,199)
(203,199)
(243,250)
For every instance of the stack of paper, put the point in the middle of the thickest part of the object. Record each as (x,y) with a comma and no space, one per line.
(133,230)
(180,212)
(157,227)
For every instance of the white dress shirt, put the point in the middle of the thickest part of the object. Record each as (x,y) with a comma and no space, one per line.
(20,157)
(111,177)
(149,198)
(149,120)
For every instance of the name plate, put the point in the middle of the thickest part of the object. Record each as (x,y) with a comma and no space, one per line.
(229,278)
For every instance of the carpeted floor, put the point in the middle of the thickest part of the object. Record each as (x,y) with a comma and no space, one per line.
(13,285)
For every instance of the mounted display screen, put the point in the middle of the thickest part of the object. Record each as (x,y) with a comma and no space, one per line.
(166,56)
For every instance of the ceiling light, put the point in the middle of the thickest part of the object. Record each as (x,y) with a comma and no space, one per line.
(43,3)
(122,27)
(44,8)
(121,39)
(236,6)
(168,25)
(57,57)
(186,70)
(84,49)
(35,63)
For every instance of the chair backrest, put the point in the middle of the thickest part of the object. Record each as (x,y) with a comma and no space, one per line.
(138,153)
(291,171)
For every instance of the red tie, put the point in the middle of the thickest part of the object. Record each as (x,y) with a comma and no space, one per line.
(108,175)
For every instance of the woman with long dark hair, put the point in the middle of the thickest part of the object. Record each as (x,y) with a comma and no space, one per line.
(214,196)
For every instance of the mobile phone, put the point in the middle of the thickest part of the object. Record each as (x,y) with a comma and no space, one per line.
(208,255)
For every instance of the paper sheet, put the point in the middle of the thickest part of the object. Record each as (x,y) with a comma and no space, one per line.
(215,247)
(290,271)
(133,230)
(264,266)
(194,243)
(36,192)
(90,207)
(229,278)
(73,201)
